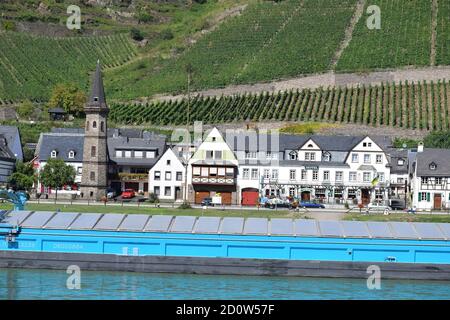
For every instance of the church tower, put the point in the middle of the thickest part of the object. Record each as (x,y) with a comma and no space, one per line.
(94,179)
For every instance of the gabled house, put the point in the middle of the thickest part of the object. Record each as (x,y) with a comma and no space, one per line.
(213,170)
(430,185)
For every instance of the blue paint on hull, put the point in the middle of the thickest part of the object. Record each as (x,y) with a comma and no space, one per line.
(231,246)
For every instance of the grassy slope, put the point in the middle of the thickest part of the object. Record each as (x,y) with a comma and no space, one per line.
(404,217)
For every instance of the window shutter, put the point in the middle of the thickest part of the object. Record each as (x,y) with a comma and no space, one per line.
(428,197)
(420,198)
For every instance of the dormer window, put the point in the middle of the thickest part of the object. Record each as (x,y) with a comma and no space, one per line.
(293,155)
(326,156)
(71,154)
(53,154)
(433,166)
(310,145)
(400,162)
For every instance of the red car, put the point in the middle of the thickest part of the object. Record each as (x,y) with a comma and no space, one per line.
(128,194)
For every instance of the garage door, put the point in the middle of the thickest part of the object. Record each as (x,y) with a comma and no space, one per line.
(132,185)
(226,198)
(200,195)
(250,197)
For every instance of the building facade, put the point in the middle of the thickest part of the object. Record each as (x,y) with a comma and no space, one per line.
(430,183)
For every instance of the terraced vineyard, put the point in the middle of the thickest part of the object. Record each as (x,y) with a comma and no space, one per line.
(269,40)
(404,38)
(424,106)
(30,66)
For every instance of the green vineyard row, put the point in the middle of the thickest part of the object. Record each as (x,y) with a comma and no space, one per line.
(31,66)
(424,106)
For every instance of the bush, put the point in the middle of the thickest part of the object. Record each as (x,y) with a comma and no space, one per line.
(136,34)
(153,198)
(8,25)
(185,205)
(166,34)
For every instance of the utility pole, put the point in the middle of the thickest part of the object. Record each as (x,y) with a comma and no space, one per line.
(186,164)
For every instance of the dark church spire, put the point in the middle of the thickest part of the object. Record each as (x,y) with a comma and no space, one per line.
(97,93)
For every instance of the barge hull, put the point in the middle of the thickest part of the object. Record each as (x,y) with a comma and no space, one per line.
(220,266)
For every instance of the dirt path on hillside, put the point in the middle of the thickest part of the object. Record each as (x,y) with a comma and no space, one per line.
(434,23)
(329,79)
(359,10)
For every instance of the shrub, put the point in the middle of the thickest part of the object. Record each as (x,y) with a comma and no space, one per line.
(136,34)
(166,34)
(185,205)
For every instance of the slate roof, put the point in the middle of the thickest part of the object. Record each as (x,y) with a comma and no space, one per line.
(441,157)
(97,93)
(294,142)
(63,143)
(124,143)
(12,137)
(395,155)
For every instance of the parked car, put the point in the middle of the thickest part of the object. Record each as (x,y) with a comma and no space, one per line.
(207,202)
(376,206)
(307,204)
(128,194)
(110,194)
(277,203)
(397,204)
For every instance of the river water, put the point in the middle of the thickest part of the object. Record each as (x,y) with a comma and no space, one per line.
(52,284)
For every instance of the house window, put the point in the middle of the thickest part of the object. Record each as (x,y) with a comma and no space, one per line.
(213,139)
(209,154)
(196,171)
(254,174)
(266,174)
(355,158)
(381,177)
(250,155)
(367,158)
(213,172)
(205,172)
(366,176)
(79,170)
(433,166)
(157,175)
(92,176)
(292,174)
(167,191)
(94,124)
(310,156)
(245,173)
(118,153)
(326,176)
(156,191)
(127,154)
(71,154)
(179,176)
(274,173)
(218,154)
(293,155)
(400,180)
(379,158)
(150,154)
(168,176)
(168,162)
(400,162)
(424,196)
(424,180)
(93,151)
(438,181)
(230,172)
(102,126)
(352,176)
(221,172)
(304,174)
(53,154)
(315,175)
(326,157)
(339,176)
(138,154)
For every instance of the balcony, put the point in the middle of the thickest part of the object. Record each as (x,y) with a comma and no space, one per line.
(220,180)
(122,176)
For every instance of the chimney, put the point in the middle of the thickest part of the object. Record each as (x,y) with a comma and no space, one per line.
(420,147)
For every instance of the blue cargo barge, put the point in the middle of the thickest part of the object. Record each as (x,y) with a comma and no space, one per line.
(214,245)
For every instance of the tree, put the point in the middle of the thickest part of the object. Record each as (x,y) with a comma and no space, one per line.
(25,110)
(136,34)
(438,139)
(56,174)
(69,98)
(23,177)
